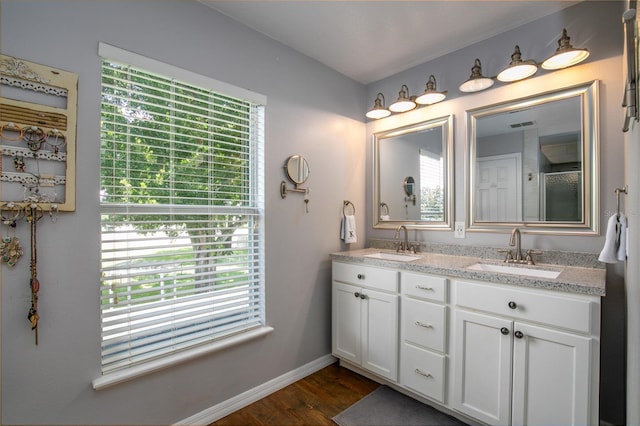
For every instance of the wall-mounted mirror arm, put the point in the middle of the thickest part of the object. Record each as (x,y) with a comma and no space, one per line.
(284,190)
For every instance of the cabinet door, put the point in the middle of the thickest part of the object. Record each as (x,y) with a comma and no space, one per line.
(380,334)
(482,384)
(551,377)
(346,322)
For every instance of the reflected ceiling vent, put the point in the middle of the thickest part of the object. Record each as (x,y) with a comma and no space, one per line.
(523,124)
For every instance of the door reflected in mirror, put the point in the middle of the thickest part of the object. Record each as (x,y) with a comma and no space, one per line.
(413,175)
(533,162)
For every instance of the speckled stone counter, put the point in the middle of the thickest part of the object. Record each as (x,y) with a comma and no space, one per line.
(572,279)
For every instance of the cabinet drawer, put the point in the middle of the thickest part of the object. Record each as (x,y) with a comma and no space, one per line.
(424,286)
(570,312)
(367,276)
(423,371)
(423,323)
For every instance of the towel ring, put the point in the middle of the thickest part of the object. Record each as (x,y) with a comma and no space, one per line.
(618,191)
(384,208)
(344,207)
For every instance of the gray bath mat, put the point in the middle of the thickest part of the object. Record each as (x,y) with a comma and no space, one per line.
(386,407)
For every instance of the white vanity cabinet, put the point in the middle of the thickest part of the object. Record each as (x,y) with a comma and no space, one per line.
(525,356)
(365,317)
(423,334)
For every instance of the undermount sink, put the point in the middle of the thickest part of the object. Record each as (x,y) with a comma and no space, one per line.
(397,257)
(525,270)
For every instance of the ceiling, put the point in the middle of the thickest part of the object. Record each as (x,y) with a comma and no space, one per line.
(370,40)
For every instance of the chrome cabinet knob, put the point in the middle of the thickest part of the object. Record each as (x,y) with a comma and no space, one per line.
(356,294)
(513,305)
(363,296)
(361,276)
(519,334)
(504,330)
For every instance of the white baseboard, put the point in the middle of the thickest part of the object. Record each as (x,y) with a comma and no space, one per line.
(227,407)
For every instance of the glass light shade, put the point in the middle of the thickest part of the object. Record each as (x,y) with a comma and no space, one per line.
(566,59)
(404,103)
(565,55)
(517,72)
(476,81)
(378,110)
(431,95)
(376,113)
(517,69)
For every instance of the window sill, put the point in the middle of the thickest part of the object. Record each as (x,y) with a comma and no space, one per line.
(111,379)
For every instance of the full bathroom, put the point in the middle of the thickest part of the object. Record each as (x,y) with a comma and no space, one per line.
(327,197)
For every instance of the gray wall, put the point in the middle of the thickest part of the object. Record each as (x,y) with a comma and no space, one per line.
(311,111)
(592,24)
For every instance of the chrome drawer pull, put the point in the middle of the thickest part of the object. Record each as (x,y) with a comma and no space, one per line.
(422,373)
(421,324)
(421,287)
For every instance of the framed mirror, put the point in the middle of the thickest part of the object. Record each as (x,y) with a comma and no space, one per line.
(413,175)
(533,163)
(297,169)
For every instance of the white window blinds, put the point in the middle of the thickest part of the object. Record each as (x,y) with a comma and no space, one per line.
(181,215)
(431,186)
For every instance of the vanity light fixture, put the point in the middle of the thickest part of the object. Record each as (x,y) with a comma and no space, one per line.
(404,103)
(378,110)
(431,95)
(517,68)
(566,55)
(476,81)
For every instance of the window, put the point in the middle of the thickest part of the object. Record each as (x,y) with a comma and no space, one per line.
(181,206)
(431,187)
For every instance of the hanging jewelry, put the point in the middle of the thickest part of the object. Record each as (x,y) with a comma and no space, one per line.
(18,162)
(10,248)
(56,140)
(53,212)
(34,136)
(33,215)
(10,132)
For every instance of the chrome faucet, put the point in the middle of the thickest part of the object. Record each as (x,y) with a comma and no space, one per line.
(402,246)
(515,241)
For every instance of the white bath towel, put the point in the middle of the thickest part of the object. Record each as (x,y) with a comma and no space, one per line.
(622,238)
(609,253)
(350,229)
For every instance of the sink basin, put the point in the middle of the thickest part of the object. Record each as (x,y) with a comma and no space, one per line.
(397,257)
(515,270)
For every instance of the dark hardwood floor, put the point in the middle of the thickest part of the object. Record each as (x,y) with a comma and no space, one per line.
(313,400)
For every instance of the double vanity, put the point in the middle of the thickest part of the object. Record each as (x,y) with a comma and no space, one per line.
(488,341)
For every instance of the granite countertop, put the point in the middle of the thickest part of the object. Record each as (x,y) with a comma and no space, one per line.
(572,279)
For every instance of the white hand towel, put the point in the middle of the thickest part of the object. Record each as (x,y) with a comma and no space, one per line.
(622,235)
(350,229)
(344,219)
(609,251)
(385,217)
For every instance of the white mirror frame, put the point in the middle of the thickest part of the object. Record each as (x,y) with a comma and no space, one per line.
(588,93)
(446,123)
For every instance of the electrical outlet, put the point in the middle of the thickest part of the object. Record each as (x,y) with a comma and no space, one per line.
(459,230)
